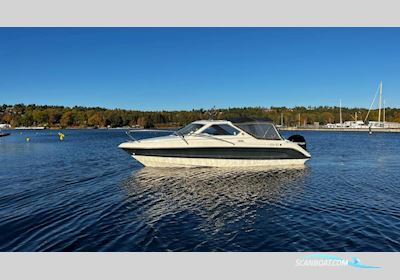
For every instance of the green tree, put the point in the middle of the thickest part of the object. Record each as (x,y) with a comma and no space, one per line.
(54,116)
(145,122)
(327,117)
(67,119)
(113,118)
(97,119)
(27,119)
(39,117)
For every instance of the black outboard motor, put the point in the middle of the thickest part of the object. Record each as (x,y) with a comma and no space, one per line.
(299,140)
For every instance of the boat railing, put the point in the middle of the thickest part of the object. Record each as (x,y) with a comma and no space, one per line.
(131,133)
(212,137)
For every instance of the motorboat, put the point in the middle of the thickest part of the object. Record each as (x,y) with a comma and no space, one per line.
(240,142)
(3,134)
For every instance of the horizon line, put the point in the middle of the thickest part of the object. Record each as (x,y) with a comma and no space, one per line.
(193,109)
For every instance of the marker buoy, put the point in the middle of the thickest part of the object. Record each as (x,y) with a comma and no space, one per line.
(61,136)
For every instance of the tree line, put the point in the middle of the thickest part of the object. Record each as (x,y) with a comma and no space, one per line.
(81,117)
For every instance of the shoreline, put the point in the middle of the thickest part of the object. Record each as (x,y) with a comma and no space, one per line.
(388,130)
(392,130)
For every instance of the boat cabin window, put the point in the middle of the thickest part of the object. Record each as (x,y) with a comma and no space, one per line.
(221,129)
(190,128)
(261,130)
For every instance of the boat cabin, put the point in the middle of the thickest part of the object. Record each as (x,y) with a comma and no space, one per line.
(259,128)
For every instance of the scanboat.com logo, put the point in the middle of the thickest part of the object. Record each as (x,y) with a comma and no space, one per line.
(331,260)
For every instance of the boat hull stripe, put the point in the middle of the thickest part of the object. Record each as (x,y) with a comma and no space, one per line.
(220,153)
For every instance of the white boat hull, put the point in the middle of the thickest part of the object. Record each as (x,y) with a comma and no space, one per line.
(224,148)
(154,161)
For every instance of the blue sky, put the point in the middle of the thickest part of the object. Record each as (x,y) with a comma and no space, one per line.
(186,68)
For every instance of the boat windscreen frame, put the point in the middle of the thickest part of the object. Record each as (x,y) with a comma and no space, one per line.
(207,126)
(201,126)
(239,126)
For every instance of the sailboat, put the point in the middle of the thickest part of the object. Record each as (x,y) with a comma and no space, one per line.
(379,123)
(359,124)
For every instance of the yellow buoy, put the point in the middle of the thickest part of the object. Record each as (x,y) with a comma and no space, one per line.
(28,139)
(61,135)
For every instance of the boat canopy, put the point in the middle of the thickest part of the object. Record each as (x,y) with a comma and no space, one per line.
(260,128)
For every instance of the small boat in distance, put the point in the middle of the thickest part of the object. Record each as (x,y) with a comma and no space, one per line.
(31,127)
(242,142)
(3,134)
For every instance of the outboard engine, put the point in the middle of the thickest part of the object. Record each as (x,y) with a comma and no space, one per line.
(299,140)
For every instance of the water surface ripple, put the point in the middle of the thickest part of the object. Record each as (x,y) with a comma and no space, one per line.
(84,194)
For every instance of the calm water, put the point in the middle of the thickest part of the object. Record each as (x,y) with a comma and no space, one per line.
(84,194)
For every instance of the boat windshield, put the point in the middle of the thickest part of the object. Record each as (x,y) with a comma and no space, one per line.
(260,130)
(190,128)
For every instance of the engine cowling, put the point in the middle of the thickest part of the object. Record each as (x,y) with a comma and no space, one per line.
(299,140)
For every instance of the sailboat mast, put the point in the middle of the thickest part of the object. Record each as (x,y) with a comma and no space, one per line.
(380,102)
(384,113)
(373,102)
(340,110)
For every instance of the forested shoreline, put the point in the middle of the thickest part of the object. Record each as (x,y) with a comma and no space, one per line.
(83,117)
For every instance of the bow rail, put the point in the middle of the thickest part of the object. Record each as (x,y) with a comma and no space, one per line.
(132,132)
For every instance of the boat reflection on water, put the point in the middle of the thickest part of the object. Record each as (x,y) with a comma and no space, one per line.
(215,197)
